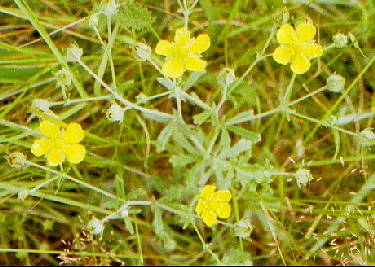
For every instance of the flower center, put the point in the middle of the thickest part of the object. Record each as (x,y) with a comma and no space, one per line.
(181,51)
(57,142)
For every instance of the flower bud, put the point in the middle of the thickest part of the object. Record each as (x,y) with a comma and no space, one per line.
(143,52)
(94,21)
(74,54)
(340,40)
(335,83)
(22,195)
(303,177)
(366,137)
(16,159)
(115,113)
(227,77)
(96,226)
(111,8)
(124,211)
(41,104)
(243,229)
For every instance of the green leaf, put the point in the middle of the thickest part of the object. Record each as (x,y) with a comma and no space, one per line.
(156,117)
(119,185)
(241,117)
(192,80)
(136,17)
(163,138)
(180,140)
(249,135)
(224,140)
(182,160)
(365,225)
(166,83)
(129,226)
(158,223)
(240,147)
(236,257)
(200,118)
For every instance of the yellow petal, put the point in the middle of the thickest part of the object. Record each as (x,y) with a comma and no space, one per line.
(223,210)
(195,64)
(305,31)
(49,129)
(199,208)
(40,147)
(74,133)
(283,55)
(182,36)
(209,217)
(55,157)
(75,153)
(313,51)
(208,191)
(300,65)
(286,34)
(223,195)
(164,48)
(212,203)
(201,44)
(173,68)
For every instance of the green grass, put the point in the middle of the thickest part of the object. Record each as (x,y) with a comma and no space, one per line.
(250,137)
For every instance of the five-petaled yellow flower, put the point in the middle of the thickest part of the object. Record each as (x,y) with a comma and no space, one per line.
(297,47)
(59,144)
(213,204)
(183,54)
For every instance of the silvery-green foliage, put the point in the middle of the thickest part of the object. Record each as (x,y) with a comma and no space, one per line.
(366,137)
(235,257)
(161,231)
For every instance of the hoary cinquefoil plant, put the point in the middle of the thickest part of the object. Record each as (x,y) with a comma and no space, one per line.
(212,149)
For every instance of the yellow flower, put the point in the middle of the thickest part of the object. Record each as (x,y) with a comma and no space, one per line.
(213,204)
(183,54)
(297,47)
(59,144)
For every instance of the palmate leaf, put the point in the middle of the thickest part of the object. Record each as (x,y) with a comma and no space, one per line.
(135,16)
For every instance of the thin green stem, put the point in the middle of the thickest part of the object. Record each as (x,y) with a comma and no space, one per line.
(42,31)
(121,99)
(342,97)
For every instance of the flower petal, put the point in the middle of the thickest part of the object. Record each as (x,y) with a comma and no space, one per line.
(223,195)
(49,129)
(173,68)
(199,208)
(223,210)
(300,65)
(74,133)
(201,44)
(306,31)
(286,34)
(313,51)
(208,191)
(194,64)
(182,36)
(55,157)
(75,153)
(164,48)
(40,147)
(209,217)
(283,55)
